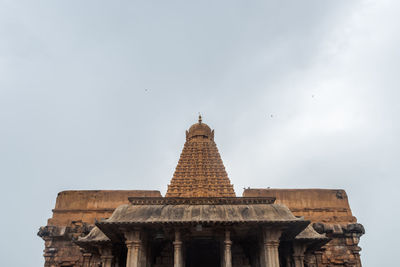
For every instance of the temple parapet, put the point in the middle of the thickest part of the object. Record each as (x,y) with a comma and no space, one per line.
(330,212)
(74,216)
(317,205)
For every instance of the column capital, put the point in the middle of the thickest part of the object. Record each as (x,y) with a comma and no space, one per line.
(298,261)
(177,243)
(271,243)
(178,235)
(132,235)
(299,249)
(105,250)
(129,244)
(227,234)
(107,260)
(272,233)
(271,236)
(318,252)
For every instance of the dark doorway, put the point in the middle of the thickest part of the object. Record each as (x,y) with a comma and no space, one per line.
(203,253)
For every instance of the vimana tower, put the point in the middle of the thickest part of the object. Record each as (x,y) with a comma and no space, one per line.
(201,222)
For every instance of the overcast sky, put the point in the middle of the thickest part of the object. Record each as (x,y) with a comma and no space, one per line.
(98,95)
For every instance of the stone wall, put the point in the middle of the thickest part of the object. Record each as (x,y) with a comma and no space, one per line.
(86,206)
(74,215)
(316,205)
(329,212)
(76,211)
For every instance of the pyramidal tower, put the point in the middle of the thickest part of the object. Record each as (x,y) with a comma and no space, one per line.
(200,171)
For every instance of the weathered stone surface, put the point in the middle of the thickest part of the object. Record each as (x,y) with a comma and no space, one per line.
(94,236)
(74,215)
(330,211)
(316,205)
(200,171)
(148,214)
(87,206)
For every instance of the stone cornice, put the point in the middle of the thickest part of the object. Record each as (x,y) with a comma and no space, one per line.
(200,201)
(82,210)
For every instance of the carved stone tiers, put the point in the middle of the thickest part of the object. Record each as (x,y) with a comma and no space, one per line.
(200,171)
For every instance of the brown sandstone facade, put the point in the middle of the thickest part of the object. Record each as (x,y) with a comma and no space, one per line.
(74,215)
(201,222)
(330,213)
(200,171)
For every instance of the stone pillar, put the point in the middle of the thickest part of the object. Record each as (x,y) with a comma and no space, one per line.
(133,244)
(106,255)
(318,258)
(270,257)
(86,259)
(107,261)
(227,250)
(129,246)
(178,259)
(298,253)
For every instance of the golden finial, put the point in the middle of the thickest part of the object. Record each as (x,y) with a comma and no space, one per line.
(200,119)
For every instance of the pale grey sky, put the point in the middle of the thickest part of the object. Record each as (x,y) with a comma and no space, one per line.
(98,95)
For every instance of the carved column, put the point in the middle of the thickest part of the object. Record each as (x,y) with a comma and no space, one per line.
(133,244)
(106,255)
(107,261)
(318,258)
(178,259)
(86,259)
(227,250)
(270,254)
(129,246)
(298,254)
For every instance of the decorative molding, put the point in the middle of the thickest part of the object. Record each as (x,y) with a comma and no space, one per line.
(81,210)
(200,201)
(322,209)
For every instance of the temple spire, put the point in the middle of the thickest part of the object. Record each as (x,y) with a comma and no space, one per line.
(200,171)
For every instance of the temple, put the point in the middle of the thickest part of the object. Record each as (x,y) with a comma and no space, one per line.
(201,222)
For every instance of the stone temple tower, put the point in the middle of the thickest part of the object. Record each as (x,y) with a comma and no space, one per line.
(200,171)
(201,222)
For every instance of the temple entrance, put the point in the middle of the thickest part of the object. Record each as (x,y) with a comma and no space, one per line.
(203,253)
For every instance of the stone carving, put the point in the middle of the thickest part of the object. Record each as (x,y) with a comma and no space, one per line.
(202,221)
(200,171)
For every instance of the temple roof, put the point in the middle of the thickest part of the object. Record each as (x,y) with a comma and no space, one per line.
(95,236)
(201,213)
(312,238)
(310,234)
(238,212)
(200,171)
